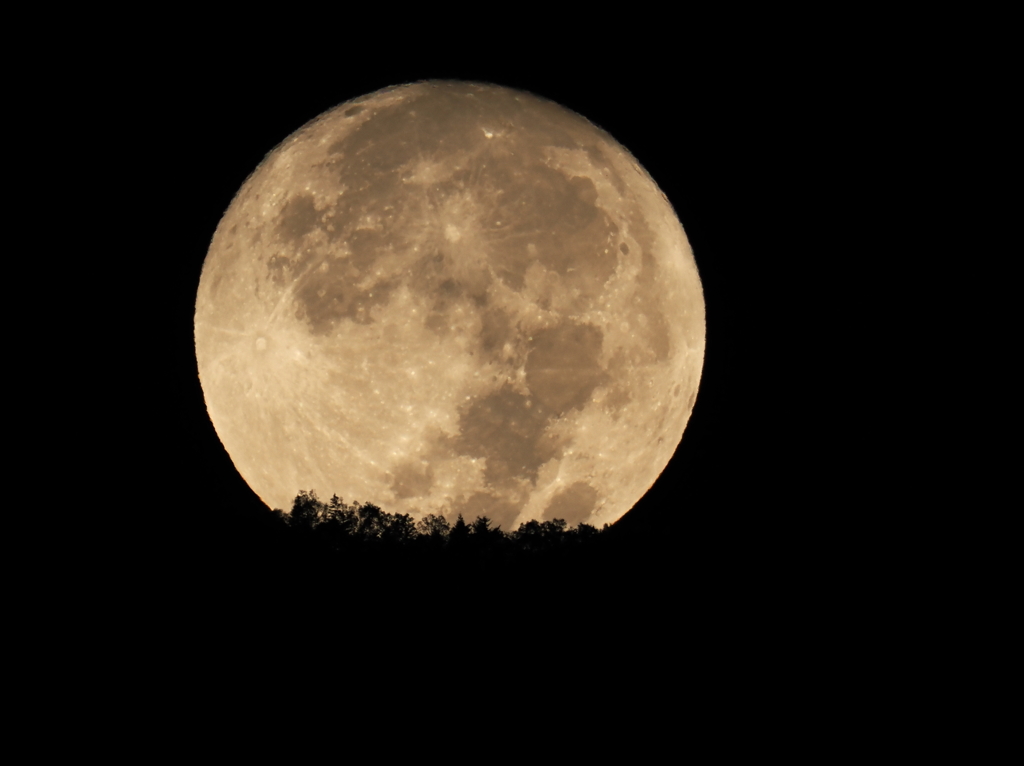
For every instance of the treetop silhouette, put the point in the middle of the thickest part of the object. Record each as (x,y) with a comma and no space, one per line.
(342,525)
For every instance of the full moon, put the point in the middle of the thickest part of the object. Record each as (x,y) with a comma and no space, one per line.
(451,298)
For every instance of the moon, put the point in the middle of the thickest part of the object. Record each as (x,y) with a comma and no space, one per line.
(451,298)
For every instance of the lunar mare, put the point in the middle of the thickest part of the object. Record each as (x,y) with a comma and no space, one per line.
(451,298)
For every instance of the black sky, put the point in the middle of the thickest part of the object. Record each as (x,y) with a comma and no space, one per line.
(746,559)
(735,140)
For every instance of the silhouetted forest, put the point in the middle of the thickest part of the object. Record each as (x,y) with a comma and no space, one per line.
(326,544)
(345,528)
(333,560)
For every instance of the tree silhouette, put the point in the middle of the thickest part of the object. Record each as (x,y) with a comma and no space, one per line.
(355,529)
(434,526)
(459,533)
(307,511)
(398,529)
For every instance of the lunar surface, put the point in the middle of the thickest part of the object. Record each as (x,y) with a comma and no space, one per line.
(451,298)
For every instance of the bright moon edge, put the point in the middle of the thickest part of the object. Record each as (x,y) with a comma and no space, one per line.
(451,298)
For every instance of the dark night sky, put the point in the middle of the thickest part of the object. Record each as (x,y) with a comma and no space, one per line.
(746,558)
(732,144)
(751,129)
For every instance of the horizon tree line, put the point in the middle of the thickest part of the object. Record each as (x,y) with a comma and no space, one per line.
(340,525)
